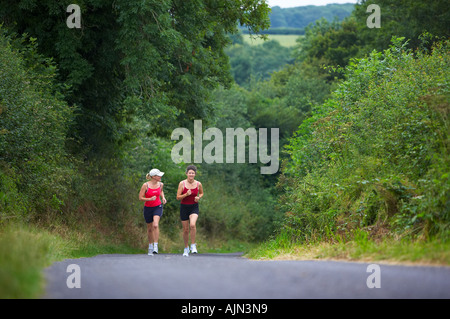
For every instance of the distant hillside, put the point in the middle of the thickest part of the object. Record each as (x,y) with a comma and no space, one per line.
(294,20)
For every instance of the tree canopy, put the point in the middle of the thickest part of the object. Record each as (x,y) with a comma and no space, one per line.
(157,59)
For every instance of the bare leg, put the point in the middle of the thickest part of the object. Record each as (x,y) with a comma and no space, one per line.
(156,228)
(150,233)
(185,224)
(193,227)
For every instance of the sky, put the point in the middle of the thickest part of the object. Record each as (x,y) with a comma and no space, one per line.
(299,3)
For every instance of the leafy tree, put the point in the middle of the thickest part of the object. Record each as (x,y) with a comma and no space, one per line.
(253,63)
(154,59)
(34,121)
(328,45)
(403,18)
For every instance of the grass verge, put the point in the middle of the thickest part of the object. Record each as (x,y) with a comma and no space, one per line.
(360,249)
(26,250)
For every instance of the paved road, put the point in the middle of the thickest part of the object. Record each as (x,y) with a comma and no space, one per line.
(223,276)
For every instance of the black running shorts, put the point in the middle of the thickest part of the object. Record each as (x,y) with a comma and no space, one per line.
(186,210)
(149,212)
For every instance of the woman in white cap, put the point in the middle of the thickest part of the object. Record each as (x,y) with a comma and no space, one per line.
(152,193)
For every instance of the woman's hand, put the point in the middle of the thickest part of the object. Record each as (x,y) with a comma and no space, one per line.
(196,199)
(164,201)
(188,192)
(152,198)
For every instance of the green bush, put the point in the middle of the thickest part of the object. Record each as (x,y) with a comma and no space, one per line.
(34,121)
(376,153)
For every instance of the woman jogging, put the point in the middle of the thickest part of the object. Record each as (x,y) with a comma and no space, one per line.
(189,192)
(151,193)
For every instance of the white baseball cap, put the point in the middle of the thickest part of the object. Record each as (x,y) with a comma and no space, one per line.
(156,172)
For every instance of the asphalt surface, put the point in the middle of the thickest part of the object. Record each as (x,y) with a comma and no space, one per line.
(230,276)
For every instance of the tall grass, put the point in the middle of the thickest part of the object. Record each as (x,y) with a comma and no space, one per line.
(359,247)
(24,252)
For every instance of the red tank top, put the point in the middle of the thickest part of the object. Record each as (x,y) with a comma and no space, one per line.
(153,192)
(189,200)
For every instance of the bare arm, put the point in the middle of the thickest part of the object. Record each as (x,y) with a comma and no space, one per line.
(142,194)
(200,192)
(180,190)
(162,194)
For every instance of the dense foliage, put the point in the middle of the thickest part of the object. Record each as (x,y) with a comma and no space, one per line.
(34,121)
(153,59)
(404,18)
(255,63)
(376,152)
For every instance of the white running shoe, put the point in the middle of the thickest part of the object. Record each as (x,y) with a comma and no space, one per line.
(155,248)
(194,248)
(186,252)
(150,250)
